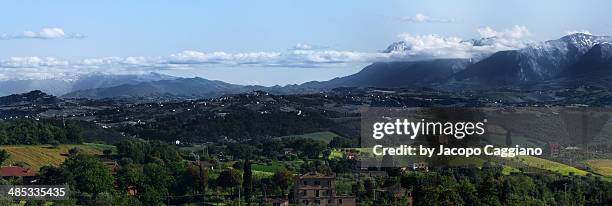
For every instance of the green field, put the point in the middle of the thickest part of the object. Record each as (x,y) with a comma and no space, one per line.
(321,136)
(271,167)
(36,156)
(551,166)
(335,154)
(600,166)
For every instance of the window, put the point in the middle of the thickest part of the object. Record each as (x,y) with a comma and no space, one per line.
(304,192)
(329,183)
(318,202)
(305,183)
(339,201)
(329,202)
(317,182)
(317,193)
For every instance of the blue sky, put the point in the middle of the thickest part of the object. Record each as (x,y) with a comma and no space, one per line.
(256,41)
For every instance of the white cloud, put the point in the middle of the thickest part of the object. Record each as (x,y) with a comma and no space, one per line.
(44,33)
(419,47)
(31,62)
(294,58)
(581,31)
(52,68)
(422,18)
(411,48)
(431,46)
(301,46)
(516,32)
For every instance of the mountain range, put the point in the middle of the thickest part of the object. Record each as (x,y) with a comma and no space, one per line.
(90,81)
(535,63)
(571,61)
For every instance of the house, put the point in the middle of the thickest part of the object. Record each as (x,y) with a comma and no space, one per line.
(554,149)
(27,174)
(420,166)
(318,189)
(350,155)
(288,151)
(131,190)
(277,201)
(113,166)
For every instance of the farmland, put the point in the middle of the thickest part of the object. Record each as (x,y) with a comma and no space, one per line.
(551,166)
(36,156)
(601,166)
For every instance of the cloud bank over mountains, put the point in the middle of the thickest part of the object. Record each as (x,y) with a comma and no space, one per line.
(411,47)
(44,33)
(431,46)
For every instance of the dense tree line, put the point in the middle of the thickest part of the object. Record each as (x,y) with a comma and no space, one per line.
(488,186)
(156,173)
(140,152)
(32,132)
(155,170)
(236,125)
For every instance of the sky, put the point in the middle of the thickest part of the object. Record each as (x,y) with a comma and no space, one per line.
(269,42)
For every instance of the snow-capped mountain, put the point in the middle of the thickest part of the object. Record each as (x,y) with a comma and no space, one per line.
(536,62)
(567,62)
(399,46)
(596,62)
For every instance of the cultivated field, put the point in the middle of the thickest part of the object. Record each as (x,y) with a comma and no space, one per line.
(36,156)
(601,166)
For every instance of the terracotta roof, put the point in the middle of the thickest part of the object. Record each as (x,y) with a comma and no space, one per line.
(316,175)
(16,172)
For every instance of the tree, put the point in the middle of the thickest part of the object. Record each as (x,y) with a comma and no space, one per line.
(4,138)
(489,191)
(247,178)
(229,178)
(194,178)
(241,151)
(357,188)
(4,155)
(74,151)
(282,180)
(316,166)
(107,152)
(342,165)
(313,148)
(88,174)
(155,183)
(157,176)
(50,175)
(468,191)
(368,186)
(130,175)
(74,133)
(340,142)
(448,193)
(54,143)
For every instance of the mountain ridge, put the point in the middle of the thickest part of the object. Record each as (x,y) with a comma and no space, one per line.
(569,61)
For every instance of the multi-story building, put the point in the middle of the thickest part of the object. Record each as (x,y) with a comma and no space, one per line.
(319,189)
